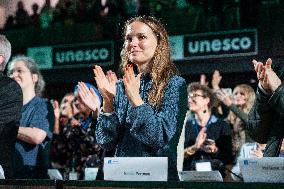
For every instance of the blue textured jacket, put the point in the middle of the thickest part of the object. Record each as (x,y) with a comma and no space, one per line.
(145,131)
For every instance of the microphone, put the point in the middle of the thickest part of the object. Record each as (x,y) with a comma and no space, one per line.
(218,165)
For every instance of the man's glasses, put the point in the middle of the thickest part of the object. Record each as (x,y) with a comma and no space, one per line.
(194,95)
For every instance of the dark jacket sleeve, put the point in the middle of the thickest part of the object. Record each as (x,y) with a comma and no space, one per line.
(11,102)
(260,118)
(239,113)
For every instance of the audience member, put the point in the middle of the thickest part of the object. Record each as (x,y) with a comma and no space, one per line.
(63,113)
(207,137)
(10,23)
(142,114)
(247,150)
(34,131)
(11,102)
(46,15)
(22,17)
(35,15)
(266,116)
(76,142)
(240,105)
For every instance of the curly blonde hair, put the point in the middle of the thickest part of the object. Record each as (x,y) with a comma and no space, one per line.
(161,66)
(250,97)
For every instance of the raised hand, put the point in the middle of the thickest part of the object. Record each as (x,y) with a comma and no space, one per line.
(266,76)
(56,109)
(223,97)
(260,70)
(106,86)
(132,85)
(89,97)
(203,80)
(216,79)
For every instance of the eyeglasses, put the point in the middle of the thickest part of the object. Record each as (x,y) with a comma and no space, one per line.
(194,95)
(17,70)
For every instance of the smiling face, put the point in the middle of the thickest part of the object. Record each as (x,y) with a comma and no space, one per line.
(197,101)
(20,73)
(239,97)
(140,42)
(66,105)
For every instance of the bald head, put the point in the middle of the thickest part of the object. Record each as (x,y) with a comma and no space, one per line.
(5,51)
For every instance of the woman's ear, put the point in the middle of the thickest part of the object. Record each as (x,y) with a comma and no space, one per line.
(35,78)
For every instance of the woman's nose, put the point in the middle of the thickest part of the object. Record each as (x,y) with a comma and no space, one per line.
(134,42)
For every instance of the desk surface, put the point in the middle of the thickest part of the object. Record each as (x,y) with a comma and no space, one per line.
(50,184)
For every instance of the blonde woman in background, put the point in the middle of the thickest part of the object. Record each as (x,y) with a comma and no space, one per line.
(240,104)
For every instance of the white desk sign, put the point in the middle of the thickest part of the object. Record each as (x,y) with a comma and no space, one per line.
(200,176)
(136,169)
(203,166)
(266,169)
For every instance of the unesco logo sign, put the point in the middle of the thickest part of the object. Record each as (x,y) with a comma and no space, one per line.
(86,54)
(220,44)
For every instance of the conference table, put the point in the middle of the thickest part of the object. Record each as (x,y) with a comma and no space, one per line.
(59,184)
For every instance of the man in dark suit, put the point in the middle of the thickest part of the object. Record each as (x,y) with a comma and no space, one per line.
(11,102)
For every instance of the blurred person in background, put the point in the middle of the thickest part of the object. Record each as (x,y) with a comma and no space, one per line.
(35,130)
(247,150)
(62,113)
(207,137)
(76,147)
(239,105)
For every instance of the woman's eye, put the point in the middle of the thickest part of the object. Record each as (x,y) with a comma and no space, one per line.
(129,39)
(142,37)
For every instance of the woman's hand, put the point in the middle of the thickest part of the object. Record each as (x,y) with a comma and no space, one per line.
(106,86)
(89,97)
(200,139)
(132,85)
(223,97)
(216,80)
(56,109)
(203,80)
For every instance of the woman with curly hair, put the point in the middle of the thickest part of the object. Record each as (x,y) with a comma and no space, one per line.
(240,105)
(143,114)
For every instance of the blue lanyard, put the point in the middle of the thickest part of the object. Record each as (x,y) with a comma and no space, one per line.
(196,126)
(86,123)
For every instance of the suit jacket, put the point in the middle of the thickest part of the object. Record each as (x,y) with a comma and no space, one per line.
(266,117)
(11,102)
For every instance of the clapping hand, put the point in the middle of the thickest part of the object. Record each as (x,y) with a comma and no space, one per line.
(200,139)
(106,86)
(223,97)
(89,97)
(132,85)
(266,76)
